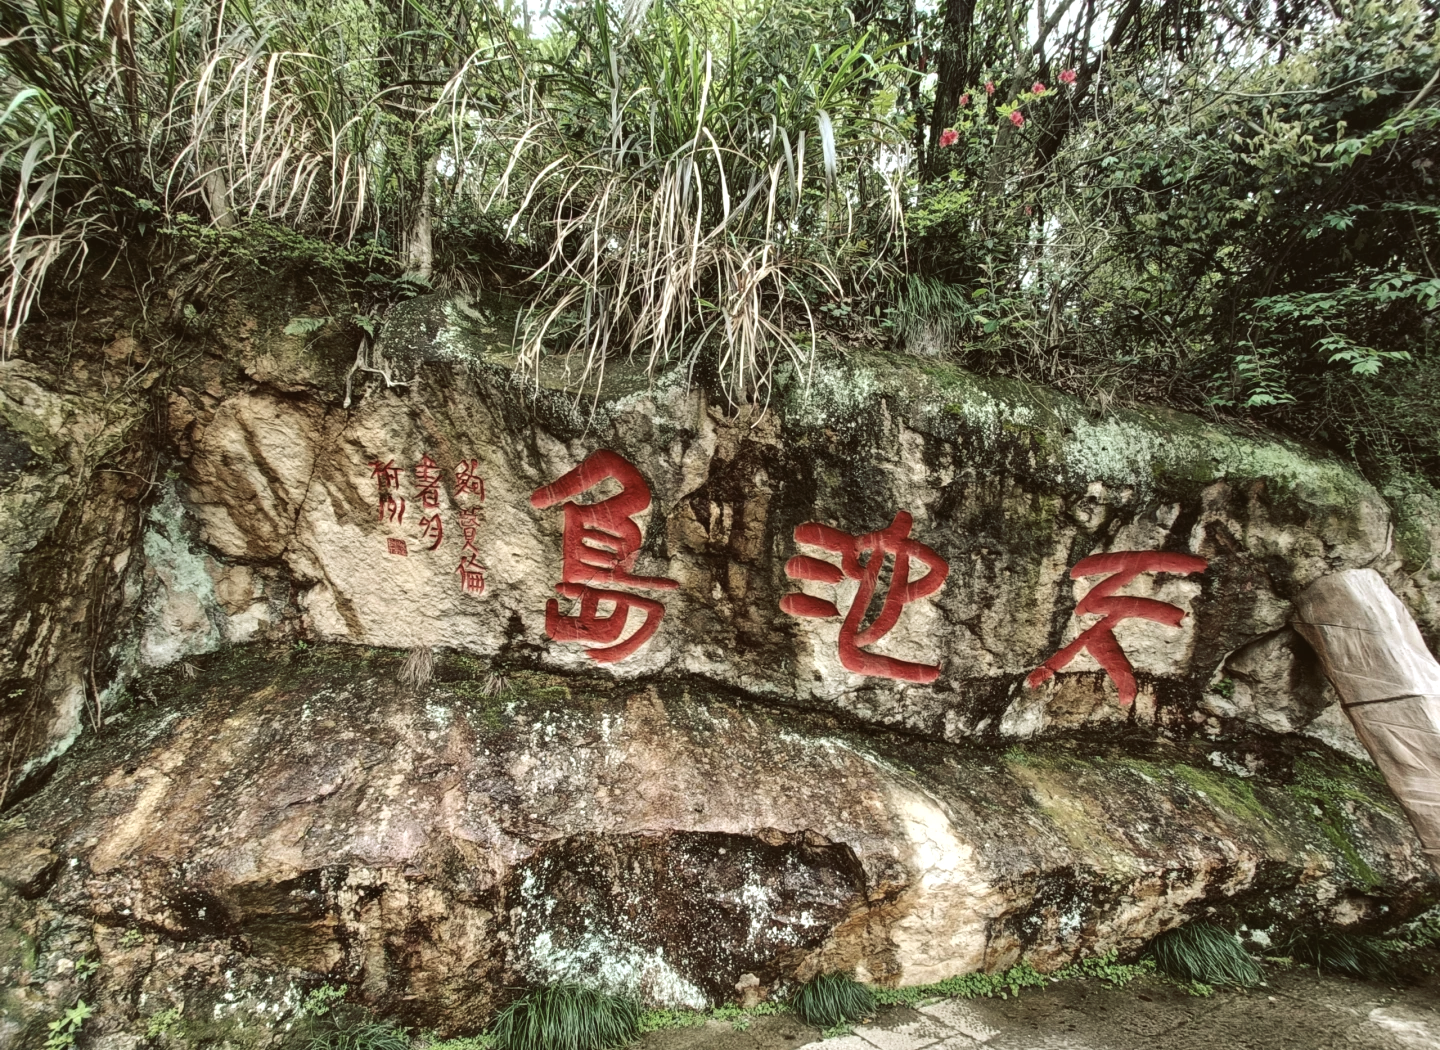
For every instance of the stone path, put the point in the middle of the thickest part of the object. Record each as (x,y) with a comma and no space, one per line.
(1297,1011)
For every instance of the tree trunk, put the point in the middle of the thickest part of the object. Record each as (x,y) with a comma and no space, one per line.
(1388,683)
(952,72)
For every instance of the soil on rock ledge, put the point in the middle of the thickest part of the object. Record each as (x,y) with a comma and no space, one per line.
(287,817)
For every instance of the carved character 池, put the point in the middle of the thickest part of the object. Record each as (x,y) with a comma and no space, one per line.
(600,546)
(1099,640)
(862,558)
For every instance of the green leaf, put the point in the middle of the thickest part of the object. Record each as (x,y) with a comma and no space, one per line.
(305,325)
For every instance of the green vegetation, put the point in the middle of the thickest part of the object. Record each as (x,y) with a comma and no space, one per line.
(320,1001)
(1339,952)
(1003,985)
(162,1022)
(1106,968)
(1203,953)
(833,999)
(363,1034)
(567,1017)
(660,1020)
(1231,210)
(1331,794)
(482,1041)
(64,1031)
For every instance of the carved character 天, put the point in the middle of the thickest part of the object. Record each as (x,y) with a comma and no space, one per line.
(862,558)
(600,546)
(1099,640)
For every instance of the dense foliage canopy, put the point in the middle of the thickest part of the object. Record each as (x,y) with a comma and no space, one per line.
(1230,208)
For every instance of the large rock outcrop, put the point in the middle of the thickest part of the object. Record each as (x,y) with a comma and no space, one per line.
(725,695)
(285,817)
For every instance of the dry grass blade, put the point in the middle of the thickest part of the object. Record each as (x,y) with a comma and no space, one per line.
(418,668)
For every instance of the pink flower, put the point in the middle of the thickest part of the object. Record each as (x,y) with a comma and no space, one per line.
(949,137)
(964,100)
(1038,88)
(989,87)
(1017,118)
(1027,209)
(1067,77)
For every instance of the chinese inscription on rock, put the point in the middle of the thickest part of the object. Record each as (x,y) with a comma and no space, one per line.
(1099,640)
(469,497)
(862,558)
(600,545)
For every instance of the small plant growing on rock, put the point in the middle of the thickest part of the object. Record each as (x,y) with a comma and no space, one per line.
(1335,951)
(567,1017)
(162,1021)
(63,1032)
(832,1000)
(322,1000)
(1204,953)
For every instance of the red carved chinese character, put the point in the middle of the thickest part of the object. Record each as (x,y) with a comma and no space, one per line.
(386,475)
(395,546)
(472,575)
(432,524)
(1099,640)
(893,540)
(427,476)
(468,479)
(392,509)
(600,545)
(469,525)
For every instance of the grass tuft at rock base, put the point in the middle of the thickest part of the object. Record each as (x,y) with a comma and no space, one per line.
(1203,953)
(567,1017)
(832,1000)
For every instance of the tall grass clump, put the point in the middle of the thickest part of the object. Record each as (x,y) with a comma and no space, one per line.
(1205,953)
(1349,954)
(567,1017)
(359,1035)
(698,185)
(833,999)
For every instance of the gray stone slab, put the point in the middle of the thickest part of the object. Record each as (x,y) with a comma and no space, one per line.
(910,1036)
(962,1018)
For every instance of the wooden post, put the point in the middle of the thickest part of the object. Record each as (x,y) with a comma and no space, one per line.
(1388,683)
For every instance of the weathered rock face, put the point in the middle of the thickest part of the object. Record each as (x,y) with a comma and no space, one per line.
(293,814)
(295,508)
(812,745)
(69,484)
(295,512)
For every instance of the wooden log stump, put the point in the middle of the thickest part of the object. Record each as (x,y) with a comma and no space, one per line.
(1388,682)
